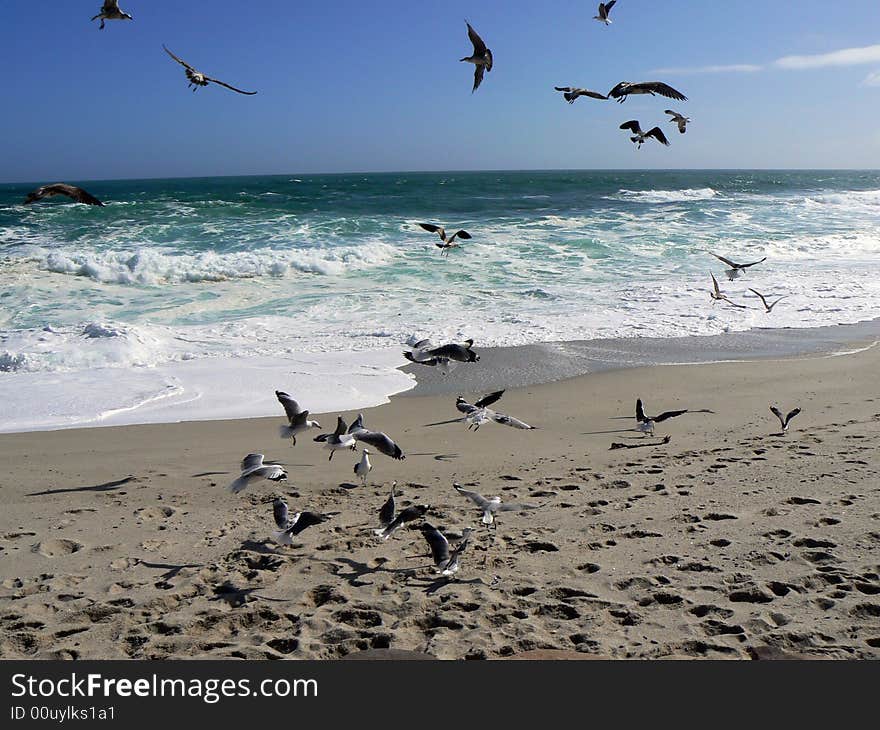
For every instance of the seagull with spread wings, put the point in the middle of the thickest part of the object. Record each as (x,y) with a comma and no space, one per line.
(639,136)
(71,191)
(424,353)
(625,88)
(337,440)
(719,296)
(679,119)
(447,563)
(736,269)
(288,527)
(487,400)
(491,505)
(784,421)
(768,306)
(571,93)
(253,468)
(110,11)
(298,418)
(645,424)
(604,9)
(481,57)
(197,78)
(446,242)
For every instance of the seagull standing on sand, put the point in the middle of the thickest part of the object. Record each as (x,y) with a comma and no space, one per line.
(388,510)
(71,191)
(253,468)
(768,307)
(197,78)
(481,58)
(491,505)
(337,440)
(645,424)
(110,11)
(604,9)
(784,421)
(299,419)
(678,119)
(736,269)
(718,296)
(624,88)
(446,243)
(416,512)
(363,467)
(571,93)
(640,136)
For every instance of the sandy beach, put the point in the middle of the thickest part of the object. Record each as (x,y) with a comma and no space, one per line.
(125,543)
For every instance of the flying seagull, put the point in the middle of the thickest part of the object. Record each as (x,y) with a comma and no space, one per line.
(491,505)
(640,136)
(718,296)
(645,424)
(299,419)
(380,441)
(447,564)
(110,11)
(604,9)
(363,467)
(388,510)
(767,307)
(417,511)
(197,79)
(487,400)
(300,521)
(446,243)
(253,468)
(481,58)
(280,513)
(571,93)
(452,565)
(71,191)
(424,353)
(624,88)
(337,440)
(679,119)
(736,269)
(784,422)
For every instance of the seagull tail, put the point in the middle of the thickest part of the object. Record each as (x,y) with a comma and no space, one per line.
(380,532)
(282,537)
(286,432)
(238,485)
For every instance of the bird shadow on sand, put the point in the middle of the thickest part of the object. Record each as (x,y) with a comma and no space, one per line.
(263,548)
(602,433)
(237,597)
(437,457)
(105,487)
(171,571)
(209,474)
(359,570)
(436,584)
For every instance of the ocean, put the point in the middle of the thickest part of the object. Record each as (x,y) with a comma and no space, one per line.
(188,299)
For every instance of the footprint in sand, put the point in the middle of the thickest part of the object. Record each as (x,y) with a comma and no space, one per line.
(57,547)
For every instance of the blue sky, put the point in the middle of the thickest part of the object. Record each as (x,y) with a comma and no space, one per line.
(349,85)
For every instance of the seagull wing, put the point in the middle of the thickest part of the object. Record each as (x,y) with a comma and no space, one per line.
(640,411)
(438,543)
(479,46)
(291,408)
(229,86)
(791,414)
(440,231)
(386,514)
(657,134)
(760,296)
(715,282)
(754,263)
(251,461)
(726,261)
(78,194)
(475,497)
(592,94)
(110,6)
(357,424)
(566,89)
(514,507)
(619,90)
(478,77)
(341,426)
(668,414)
(776,412)
(506,420)
(488,400)
(280,513)
(632,126)
(381,442)
(658,87)
(179,60)
(609,5)
(304,520)
(464,235)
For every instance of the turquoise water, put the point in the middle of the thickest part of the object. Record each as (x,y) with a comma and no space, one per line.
(200,269)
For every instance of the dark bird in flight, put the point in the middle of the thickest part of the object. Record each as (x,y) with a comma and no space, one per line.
(571,93)
(424,354)
(604,9)
(719,296)
(197,79)
(481,58)
(71,191)
(784,422)
(646,423)
(639,136)
(678,119)
(487,400)
(736,269)
(110,11)
(446,242)
(768,307)
(624,88)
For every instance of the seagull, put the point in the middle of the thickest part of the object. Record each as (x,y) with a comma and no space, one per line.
(382,442)
(363,467)
(280,513)
(452,565)
(624,88)
(387,513)
(491,505)
(487,400)
(481,58)
(641,136)
(299,419)
(417,511)
(604,9)
(252,468)
(337,440)
(301,521)
(447,564)
(110,11)
(717,295)
(445,243)
(767,307)
(646,423)
(424,353)
(71,191)
(736,269)
(784,422)
(571,93)
(679,119)
(197,79)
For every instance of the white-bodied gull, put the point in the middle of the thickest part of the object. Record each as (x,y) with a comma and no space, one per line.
(571,93)
(298,418)
(389,509)
(110,11)
(253,468)
(784,421)
(363,467)
(337,440)
(197,78)
(447,563)
(446,242)
(424,353)
(645,424)
(679,119)
(289,527)
(604,9)
(416,512)
(491,505)
(639,136)
(719,296)
(736,269)
(380,441)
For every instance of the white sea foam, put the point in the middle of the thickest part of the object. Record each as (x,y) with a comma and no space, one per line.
(666,196)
